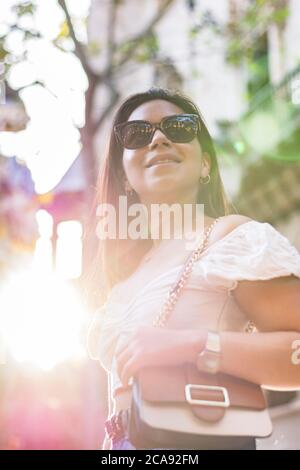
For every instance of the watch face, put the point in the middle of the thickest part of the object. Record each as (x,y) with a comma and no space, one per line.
(211,364)
(208,361)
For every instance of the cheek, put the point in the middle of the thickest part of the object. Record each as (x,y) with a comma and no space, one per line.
(131,160)
(192,155)
(128,158)
(196,152)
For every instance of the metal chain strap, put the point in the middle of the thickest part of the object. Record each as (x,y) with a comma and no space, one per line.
(177,287)
(250,327)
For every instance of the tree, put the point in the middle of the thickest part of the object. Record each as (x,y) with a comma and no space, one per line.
(140,48)
(246,35)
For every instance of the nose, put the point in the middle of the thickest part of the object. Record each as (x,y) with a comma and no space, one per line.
(159,139)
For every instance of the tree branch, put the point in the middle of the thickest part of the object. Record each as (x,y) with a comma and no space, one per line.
(106,76)
(113,100)
(79,52)
(135,41)
(111,31)
(114,95)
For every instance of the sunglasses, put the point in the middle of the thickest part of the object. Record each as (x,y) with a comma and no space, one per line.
(179,128)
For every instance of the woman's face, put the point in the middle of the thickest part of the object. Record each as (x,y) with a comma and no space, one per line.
(174,181)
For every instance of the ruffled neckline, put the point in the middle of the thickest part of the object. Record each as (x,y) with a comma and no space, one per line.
(180,266)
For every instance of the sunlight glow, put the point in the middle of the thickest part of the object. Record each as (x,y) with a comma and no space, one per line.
(69,249)
(42,319)
(43,256)
(51,141)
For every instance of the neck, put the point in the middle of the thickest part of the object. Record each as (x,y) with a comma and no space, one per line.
(163,224)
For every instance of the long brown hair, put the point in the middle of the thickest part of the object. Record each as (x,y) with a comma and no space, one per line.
(117,258)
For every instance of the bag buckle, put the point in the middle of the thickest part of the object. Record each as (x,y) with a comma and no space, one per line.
(193,401)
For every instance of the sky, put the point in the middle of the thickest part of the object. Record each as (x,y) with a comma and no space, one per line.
(50,142)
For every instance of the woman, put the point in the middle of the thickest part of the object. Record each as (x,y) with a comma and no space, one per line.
(248,272)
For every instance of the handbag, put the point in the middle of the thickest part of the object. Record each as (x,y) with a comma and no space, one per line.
(181,407)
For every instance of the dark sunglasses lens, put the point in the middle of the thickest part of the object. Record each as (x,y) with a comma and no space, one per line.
(136,135)
(181,128)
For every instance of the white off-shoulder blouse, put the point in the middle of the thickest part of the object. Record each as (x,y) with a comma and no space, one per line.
(252,251)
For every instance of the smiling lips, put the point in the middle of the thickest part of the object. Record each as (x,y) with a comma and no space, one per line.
(162,160)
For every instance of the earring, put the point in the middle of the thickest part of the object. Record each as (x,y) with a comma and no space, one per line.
(128,189)
(204,181)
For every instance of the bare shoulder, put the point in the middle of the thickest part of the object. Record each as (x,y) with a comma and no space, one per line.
(226,224)
(232,221)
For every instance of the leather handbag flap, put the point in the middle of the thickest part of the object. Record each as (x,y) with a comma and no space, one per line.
(186,384)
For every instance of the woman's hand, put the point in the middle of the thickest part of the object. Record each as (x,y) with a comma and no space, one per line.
(154,346)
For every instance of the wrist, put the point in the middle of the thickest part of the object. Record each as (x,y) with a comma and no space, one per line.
(209,359)
(197,344)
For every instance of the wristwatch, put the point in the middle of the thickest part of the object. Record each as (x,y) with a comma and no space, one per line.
(208,360)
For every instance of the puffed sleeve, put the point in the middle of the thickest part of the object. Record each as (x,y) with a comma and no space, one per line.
(252,251)
(104,333)
(93,333)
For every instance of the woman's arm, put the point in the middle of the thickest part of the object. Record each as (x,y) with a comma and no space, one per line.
(265,357)
(273,305)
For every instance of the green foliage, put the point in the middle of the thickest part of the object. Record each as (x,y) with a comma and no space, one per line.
(250,25)
(280,16)
(31,34)
(3,52)
(148,48)
(64,31)
(205,22)
(63,35)
(193,32)
(24,8)
(124,47)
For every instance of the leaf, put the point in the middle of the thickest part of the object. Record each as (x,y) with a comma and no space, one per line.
(31,34)
(56,43)
(147,49)
(24,8)
(280,15)
(243,35)
(64,31)
(125,47)
(193,32)
(3,51)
